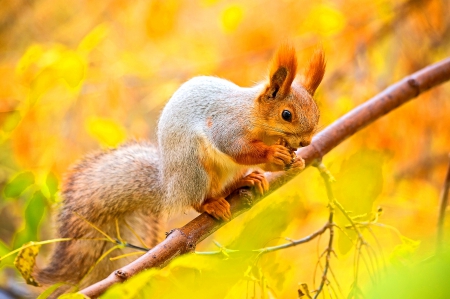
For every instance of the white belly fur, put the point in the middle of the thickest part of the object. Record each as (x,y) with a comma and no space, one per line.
(223,170)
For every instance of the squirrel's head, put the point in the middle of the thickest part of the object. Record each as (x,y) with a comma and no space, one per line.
(286,105)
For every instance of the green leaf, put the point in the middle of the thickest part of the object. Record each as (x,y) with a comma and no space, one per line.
(204,276)
(21,182)
(12,121)
(50,290)
(403,253)
(359,183)
(33,215)
(268,224)
(4,249)
(131,287)
(52,183)
(428,279)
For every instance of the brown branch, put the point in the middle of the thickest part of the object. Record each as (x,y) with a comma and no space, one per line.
(442,208)
(184,239)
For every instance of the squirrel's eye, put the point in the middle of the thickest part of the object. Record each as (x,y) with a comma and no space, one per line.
(286,115)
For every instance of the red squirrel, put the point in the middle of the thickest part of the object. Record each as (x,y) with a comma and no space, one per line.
(213,137)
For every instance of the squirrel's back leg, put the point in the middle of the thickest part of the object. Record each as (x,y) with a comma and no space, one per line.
(219,208)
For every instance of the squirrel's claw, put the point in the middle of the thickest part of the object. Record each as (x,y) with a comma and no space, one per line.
(298,164)
(219,208)
(256,180)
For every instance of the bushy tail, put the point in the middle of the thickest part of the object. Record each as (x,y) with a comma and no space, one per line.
(70,262)
(116,192)
(77,262)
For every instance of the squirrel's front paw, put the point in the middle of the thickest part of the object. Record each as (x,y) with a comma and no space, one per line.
(219,208)
(279,157)
(256,180)
(298,165)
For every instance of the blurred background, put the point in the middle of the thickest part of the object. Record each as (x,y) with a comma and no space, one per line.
(78,76)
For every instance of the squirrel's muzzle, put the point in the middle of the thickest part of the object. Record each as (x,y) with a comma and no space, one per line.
(305,143)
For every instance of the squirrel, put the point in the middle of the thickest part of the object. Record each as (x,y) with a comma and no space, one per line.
(213,138)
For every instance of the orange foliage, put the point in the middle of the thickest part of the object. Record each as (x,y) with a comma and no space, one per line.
(80,75)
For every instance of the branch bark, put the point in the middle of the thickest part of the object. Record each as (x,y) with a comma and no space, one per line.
(183,240)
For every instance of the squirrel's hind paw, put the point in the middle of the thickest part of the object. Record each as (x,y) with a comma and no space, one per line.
(219,208)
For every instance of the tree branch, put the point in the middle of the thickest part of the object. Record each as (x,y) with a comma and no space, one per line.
(183,240)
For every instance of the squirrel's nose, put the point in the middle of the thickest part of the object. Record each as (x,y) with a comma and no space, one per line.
(305,143)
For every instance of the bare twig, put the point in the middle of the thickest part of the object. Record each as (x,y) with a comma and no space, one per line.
(328,179)
(292,243)
(442,208)
(185,239)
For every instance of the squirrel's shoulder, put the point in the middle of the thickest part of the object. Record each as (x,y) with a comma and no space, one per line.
(205,86)
(209,81)
(205,90)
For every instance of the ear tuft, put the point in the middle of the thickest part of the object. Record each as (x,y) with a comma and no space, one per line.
(314,71)
(283,69)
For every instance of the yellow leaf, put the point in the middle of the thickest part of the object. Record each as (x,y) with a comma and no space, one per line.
(131,288)
(106,131)
(231,17)
(303,291)
(325,20)
(208,2)
(43,68)
(70,67)
(32,55)
(93,38)
(25,261)
(343,105)
(161,17)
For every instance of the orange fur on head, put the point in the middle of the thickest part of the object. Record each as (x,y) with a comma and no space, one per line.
(283,69)
(314,72)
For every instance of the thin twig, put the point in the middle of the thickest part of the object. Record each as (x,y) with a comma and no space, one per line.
(129,245)
(328,179)
(380,248)
(336,282)
(370,271)
(442,208)
(296,242)
(227,251)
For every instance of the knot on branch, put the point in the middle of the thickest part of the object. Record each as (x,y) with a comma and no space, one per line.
(187,239)
(169,232)
(415,85)
(246,197)
(122,275)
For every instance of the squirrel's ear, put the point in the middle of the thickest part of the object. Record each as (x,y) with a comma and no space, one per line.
(282,71)
(314,71)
